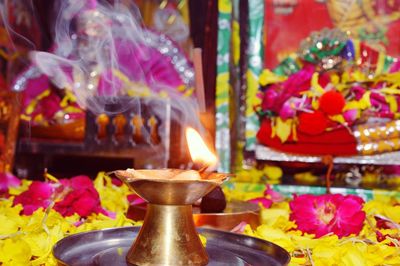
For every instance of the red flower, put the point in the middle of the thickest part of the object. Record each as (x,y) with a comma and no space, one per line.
(82,197)
(78,195)
(81,201)
(38,195)
(312,123)
(324,214)
(332,103)
(78,182)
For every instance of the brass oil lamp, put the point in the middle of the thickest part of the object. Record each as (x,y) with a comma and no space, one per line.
(168,235)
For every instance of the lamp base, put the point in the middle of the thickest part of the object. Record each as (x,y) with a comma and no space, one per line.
(168,237)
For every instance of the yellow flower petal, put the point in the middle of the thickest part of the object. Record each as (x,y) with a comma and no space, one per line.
(269,77)
(15,252)
(318,90)
(351,255)
(276,236)
(273,172)
(283,128)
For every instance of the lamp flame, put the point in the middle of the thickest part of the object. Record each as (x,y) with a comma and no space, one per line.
(198,149)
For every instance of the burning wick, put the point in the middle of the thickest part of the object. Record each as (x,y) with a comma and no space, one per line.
(202,157)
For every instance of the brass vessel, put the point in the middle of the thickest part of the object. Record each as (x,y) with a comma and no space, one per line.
(168,235)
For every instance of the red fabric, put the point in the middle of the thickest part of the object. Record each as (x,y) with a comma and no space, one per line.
(285,31)
(338,142)
(314,123)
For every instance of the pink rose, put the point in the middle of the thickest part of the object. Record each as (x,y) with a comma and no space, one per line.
(324,214)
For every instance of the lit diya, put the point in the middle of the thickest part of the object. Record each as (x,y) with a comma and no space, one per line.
(168,235)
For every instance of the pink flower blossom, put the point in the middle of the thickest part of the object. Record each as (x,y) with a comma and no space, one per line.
(295,84)
(277,94)
(288,110)
(350,116)
(37,196)
(269,99)
(8,180)
(395,67)
(324,214)
(357,91)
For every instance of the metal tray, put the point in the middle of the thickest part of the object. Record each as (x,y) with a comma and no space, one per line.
(109,247)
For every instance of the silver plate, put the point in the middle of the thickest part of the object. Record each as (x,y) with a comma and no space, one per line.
(109,247)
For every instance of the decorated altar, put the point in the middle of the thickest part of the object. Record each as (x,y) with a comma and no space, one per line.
(243,132)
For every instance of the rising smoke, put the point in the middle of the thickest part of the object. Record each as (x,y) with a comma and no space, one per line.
(102,52)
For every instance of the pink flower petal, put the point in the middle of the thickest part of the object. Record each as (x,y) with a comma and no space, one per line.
(134,199)
(8,180)
(272,194)
(320,215)
(266,203)
(38,195)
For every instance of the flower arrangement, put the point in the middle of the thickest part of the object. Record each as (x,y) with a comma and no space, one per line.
(35,215)
(330,229)
(325,92)
(316,230)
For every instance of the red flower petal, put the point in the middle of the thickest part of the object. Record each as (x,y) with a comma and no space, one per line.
(81,182)
(38,195)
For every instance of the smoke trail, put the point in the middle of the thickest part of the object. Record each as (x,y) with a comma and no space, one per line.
(102,52)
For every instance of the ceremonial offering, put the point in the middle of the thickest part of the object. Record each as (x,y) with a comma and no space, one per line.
(168,235)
